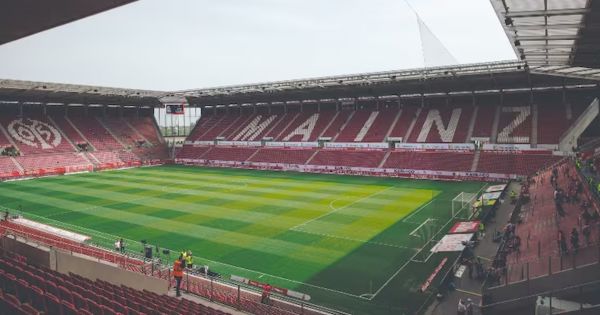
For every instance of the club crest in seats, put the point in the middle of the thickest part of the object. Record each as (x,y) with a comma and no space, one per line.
(35,133)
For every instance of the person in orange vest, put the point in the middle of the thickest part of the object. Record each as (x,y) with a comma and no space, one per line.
(178,273)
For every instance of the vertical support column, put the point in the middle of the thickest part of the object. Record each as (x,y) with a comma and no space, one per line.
(44,109)
(21,109)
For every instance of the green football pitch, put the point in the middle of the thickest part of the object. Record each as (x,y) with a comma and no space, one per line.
(357,244)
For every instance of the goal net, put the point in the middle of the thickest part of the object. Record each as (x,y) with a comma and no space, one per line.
(424,237)
(462,205)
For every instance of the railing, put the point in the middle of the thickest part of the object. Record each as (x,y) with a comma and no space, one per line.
(544,266)
(587,292)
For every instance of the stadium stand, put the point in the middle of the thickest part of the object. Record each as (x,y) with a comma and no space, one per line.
(353,126)
(121,131)
(8,168)
(336,125)
(497,162)
(33,163)
(68,287)
(58,144)
(543,221)
(508,162)
(348,158)
(49,139)
(229,154)
(436,161)
(96,133)
(69,129)
(515,124)
(407,115)
(436,122)
(286,156)
(381,125)
(27,289)
(192,152)
(146,128)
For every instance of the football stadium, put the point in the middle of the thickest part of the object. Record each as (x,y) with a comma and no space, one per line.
(437,189)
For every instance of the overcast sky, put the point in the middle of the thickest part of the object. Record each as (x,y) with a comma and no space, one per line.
(184,44)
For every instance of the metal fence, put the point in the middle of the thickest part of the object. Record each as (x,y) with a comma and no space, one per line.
(582,299)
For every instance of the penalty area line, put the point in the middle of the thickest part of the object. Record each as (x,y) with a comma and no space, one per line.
(354,239)
(405,220)
(420,226)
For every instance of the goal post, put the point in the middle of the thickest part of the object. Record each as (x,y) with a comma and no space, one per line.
(461,205)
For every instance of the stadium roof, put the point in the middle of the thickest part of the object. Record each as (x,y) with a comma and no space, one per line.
(20,18)
(508,75)
(43,92)
(552,32)
(438,81)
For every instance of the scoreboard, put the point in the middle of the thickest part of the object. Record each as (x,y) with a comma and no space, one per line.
(175,109)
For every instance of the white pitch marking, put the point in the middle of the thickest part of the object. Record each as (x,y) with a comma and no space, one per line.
(354,240)
(412,258)
(338,209)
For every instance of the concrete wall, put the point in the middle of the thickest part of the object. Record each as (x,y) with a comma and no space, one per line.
(35,253)
(84,266)
(92,269)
